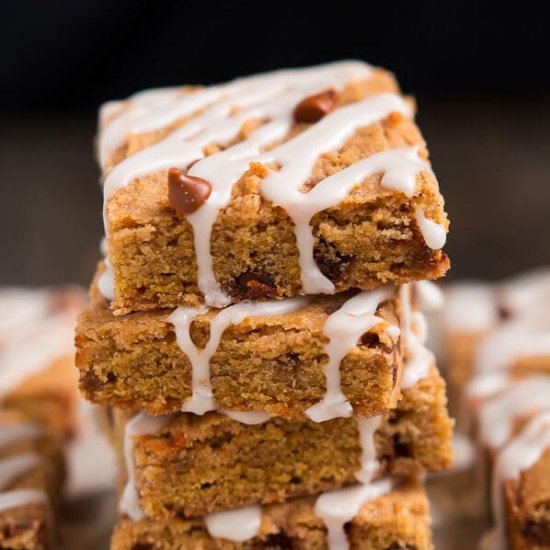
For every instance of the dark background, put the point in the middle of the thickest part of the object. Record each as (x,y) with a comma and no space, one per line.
(479,70)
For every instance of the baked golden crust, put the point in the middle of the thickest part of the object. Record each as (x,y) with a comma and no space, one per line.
(196,465)
(369,238)
(398,520)
(265,363)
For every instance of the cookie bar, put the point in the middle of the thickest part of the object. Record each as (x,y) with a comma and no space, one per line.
(37,375)
(299,357)
(185,465)
(495,331)
(31,473)
(297,182)
(527,492)
(385,518)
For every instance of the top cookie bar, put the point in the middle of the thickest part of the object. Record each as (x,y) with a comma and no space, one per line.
(296,182)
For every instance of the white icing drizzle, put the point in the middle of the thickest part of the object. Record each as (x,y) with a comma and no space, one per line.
(202,399)
(343,329)
(519,455)
(249,418)
(429,296)
(139,425)
(434,233)
(339,507)
(154,109)
(13,467)
(106,281)
(498,413)
(235,525)
(21,497)
(34,332)
(11,434)
(369,464)
(418,359)
(464,453)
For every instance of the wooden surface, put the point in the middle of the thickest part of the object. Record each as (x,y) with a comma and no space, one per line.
(491,158)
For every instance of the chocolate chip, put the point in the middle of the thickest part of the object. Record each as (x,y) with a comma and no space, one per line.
(186,193)
(252,286)
(90,383)
(536,532)
(402,449)
(315,107)
(332,263)
(276,541)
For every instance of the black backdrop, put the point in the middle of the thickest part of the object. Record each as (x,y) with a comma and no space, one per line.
(76,53)
(479,71)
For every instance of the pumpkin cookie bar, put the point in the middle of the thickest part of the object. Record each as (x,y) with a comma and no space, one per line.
(384,517)
(297,182)
(185,465)
(294,358)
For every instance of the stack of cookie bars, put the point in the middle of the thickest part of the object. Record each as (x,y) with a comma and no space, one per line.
(255,333)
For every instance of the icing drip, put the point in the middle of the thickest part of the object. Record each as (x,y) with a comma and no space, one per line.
(140,425)
(339,507)
(343,329)
(15,433)
(249,418)
(429,296)
(519,455)
(235,525)
(464,453)
(202,399)
(434,234)
(369,463)
(106,281)
(497,415)
(15,466)
(21,497)
(418,358)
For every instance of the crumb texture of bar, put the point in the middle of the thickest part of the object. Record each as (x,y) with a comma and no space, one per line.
(263,363)
(298,206)
(398,520)
(197,465)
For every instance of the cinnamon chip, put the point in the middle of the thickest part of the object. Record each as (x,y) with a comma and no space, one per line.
(315,107)
(186,193)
